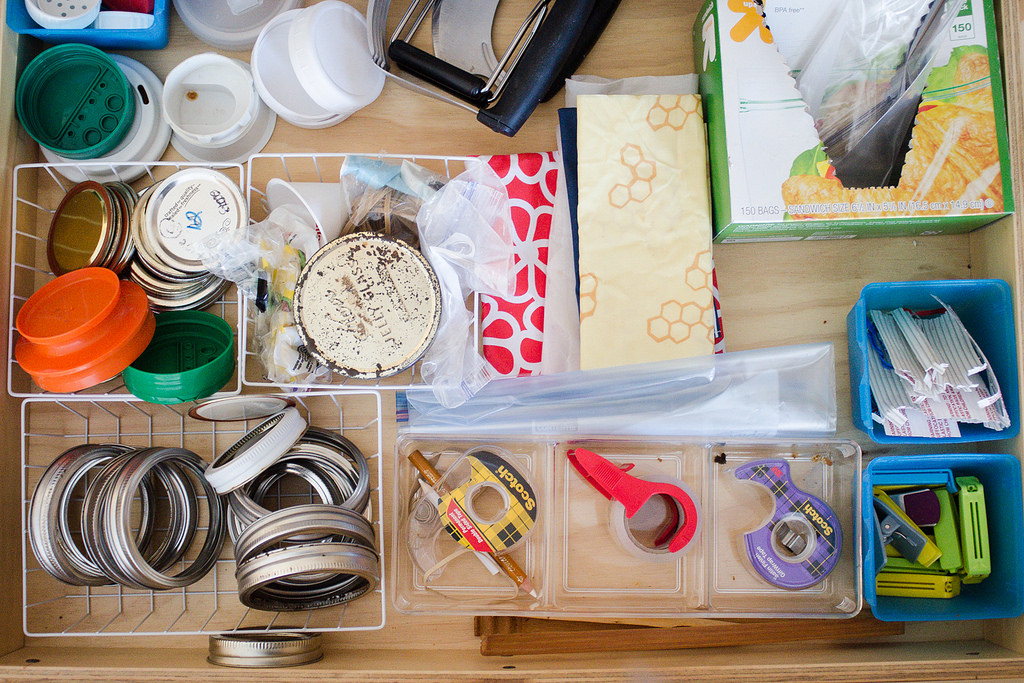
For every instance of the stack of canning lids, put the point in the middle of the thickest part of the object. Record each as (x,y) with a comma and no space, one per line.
(82,329)
(171,225)
(90,228)
(74,100)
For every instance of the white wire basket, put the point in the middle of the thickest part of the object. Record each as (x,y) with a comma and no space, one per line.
(38,191)
(324,168)
(52,608)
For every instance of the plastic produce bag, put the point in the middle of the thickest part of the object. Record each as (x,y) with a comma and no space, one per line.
(264,260)
(466,234)
(783,391)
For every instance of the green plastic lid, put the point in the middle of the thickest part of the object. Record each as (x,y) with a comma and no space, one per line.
(192,355)
(73,99)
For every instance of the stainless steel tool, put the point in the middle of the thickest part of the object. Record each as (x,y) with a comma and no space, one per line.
(464,70)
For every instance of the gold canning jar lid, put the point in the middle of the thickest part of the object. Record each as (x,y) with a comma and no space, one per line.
(82,228)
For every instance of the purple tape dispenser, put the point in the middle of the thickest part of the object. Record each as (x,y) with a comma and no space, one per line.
(800,544)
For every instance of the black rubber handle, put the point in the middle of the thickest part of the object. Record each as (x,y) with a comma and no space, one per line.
(446,76)
(540,66)
(595,26)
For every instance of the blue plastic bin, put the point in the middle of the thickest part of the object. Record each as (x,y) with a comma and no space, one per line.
(1001,594)
(153,38)
(986,309)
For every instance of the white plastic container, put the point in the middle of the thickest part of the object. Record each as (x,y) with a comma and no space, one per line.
(277,82)
(230,24)
(331,56)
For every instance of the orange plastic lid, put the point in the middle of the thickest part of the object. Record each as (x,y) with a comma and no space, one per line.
(65,309)
(103,370)
(121,338)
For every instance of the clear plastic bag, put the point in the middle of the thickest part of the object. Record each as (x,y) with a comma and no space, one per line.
(384,198)
(863,80)
(466,234)
(264,260)
(783,391)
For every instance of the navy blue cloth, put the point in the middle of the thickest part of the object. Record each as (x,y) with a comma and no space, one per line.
(570,157)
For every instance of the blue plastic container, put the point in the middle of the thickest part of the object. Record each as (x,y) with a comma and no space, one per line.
(1001,594)
(153,38)
(986,309)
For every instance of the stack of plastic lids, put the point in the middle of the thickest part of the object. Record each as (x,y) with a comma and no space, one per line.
(145,141)
(313,66)
(82,329)
(75,101)
(230,24)
(211,104)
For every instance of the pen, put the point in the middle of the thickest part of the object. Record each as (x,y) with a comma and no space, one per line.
(505,561)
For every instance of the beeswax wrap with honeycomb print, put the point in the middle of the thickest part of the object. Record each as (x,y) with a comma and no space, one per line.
(644,230)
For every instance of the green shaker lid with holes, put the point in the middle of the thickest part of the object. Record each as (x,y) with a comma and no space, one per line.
(73,99)
(192,355)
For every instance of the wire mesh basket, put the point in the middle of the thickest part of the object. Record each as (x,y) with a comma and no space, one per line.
(38,191)
(52,608)
(323,168)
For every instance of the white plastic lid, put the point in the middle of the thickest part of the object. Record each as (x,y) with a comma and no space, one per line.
(146,140)
(238,151)
(256,451)
(238,408)
(210,100)
(230,24)
(277,82)
(331,57)
(63,15)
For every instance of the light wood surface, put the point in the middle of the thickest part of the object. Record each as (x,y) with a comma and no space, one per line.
(771,294)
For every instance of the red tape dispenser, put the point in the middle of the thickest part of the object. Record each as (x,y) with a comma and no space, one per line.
(678,523)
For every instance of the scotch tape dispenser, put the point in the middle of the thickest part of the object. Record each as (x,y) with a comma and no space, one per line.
(800,543)
(483,503)
(656,518)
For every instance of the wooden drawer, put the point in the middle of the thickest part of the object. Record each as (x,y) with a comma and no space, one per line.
(771,294)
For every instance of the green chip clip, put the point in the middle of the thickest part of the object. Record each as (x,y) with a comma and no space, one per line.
(974,530)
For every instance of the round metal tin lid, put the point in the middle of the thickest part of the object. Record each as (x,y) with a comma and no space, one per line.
(188,207)
(258,650)
(367,305)
(81,229)
(238,408)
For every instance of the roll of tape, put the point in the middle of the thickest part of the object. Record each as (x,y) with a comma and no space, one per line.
(647,534)
(473,527)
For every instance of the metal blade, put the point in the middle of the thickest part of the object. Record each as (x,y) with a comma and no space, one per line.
(462,34)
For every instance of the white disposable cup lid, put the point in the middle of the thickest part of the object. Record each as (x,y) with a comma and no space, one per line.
(145,142)
(277,82)
(63,15)
(210,100)
(331,57)
(238,151)
(230,24)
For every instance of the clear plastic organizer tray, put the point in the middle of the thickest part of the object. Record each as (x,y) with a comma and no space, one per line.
(52,608)
(38,191)
(324,168)
(577,560)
